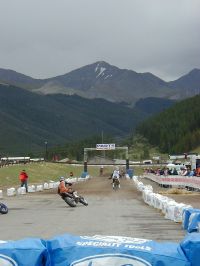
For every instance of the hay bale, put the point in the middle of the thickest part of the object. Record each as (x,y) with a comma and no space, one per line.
(175,191)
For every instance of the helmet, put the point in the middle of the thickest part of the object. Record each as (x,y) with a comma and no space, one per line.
(62,178)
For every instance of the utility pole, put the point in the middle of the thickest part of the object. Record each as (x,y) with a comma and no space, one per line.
(46,155)
(103,152)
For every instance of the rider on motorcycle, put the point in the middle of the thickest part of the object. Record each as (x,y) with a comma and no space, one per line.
(116,175)
(64,187)
(68,194)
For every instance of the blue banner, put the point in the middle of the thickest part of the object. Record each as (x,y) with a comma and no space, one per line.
(194,223)
(68,250)
(25,252)
(186,216)
(191,247)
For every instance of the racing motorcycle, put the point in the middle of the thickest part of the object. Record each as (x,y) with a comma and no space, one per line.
(72,199)
(116,183)
(3,208)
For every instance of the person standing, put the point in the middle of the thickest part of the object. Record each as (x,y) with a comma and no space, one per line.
(24,179)
(101,170)
(71,174)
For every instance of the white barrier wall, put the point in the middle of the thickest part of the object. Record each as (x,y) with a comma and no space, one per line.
(11,191)
(169,207)
(46,186)
(21,191)
(51,185)
(37,188)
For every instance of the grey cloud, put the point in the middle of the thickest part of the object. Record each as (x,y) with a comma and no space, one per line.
(47,38)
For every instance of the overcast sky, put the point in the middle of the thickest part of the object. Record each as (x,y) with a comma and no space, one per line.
(46,38)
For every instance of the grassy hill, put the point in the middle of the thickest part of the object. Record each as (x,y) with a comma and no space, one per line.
(40,173)
(28,119)
(196,150)
(177,129)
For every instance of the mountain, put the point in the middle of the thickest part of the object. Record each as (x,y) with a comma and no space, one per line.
(188,84)
(177,129)
(29,119)
(11,77)
(102,80)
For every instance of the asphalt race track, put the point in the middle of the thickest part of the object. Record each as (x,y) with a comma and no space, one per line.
(122,213)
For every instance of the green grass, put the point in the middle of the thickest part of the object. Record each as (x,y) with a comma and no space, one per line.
(197,150)
(37,172)
(44,172)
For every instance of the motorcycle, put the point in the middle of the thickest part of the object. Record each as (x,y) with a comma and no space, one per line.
(72,199)
(116,183)
(3,208)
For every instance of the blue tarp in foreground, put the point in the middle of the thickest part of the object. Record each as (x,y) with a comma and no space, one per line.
(186,217)
(69,250)
(113,251)
(191,247)
(25,252)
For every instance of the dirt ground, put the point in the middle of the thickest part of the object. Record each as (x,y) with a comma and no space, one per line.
(120,213)
(100,186)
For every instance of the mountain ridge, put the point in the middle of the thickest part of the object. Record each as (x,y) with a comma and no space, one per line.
(28,119)
(102,80)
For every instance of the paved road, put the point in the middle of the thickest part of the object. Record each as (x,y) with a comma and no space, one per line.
(122,213)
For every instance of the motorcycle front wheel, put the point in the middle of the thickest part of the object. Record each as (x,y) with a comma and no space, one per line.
(116,185)
(83,201)
(3,208)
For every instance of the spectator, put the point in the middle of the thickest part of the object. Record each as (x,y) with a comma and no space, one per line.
(174,172)
(101,170)
(184,171)
(166,171)
(192,173)
(188,171)
(152,171)
(24,179)
(71,174)
(162,171)
(169,171)
(198,171)
(122,173)
(157,171)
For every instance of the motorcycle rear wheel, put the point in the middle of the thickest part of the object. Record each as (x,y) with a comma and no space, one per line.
(3,208)
(70,201)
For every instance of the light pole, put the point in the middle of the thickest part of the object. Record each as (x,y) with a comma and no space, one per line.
(45,150)
(103,152)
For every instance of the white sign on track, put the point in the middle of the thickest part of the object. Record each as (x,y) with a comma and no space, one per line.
(105,146)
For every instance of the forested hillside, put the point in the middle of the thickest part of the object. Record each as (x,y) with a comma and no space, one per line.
(28,119)
(177,129)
